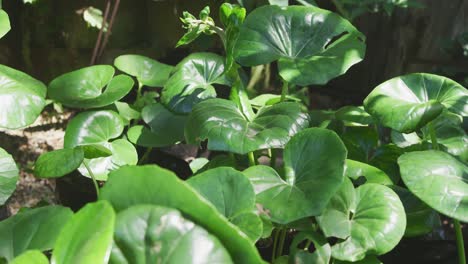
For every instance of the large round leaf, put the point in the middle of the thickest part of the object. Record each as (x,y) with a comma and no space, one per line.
(4,23)
(407,103)
(420,218)
(311,45)
(154,234)
(356,169)
(231,193)
(87,237)
(438,179)
(314,162)
(8,176)
(99,127)
(83,88)
(32,229)
(147,71)
(22,98)
(370,218)
(165,127)
(31,257)
(58,163)
(227,129)
(157,186)
(192,81)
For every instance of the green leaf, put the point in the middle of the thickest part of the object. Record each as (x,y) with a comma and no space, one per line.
(93,16)
(157,186)
(31,257)
(22,97)
(99,127)
(192,81)
(282,3)
(311,45)
(148,72)
(307,2)
(9,173)
(32,229)
(438,179)
(226,128)
(126,111)
(370,218)
(93,151)
(420,218)
(231,193)
(87,237)
(83,88)
(407,103)
(155,234)
(58,163)
(197,164)
(321,255)
(4,23)
(232,17)
(250,224)
(356,169)
(314,162)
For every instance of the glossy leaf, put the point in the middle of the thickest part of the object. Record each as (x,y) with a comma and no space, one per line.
(154,234)
(226,128)
(250,224)
(83,88)
(31,257)
(438,179)
(32,229)
(58,163)
(407,103)
(370,218)
(22,98)
(9,173)
(87,237)
(311,45)
(157,186)
(93,151)
(314,162)
(321,255)
(356,169)
(231,193)
(4,23)
(420,218)
(148,72)
(192,81)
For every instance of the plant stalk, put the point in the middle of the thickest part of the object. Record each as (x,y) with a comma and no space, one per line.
(433,135)
(275,244)
(284,91)
(252,161)
(281,242)
(460,242)
(145,156)
(96,185)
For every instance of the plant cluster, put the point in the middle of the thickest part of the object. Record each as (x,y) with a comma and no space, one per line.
(333,182)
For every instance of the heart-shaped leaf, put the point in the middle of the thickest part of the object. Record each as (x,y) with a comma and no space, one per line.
(8,176)
(22,98)
(31,257)
(356,169)
(83,88)
(32,229)
(438,179)
(4,23)
(227,129)
(420,218)
(230,192)
(314,162)
(370,218)
(99,127)
(407,103)
(58,163)
(192,81)
(311,45)
(87,237)
(166,127)
(148,72)
(155,234)
(157,186)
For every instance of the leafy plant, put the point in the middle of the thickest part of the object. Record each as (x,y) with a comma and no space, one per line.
(330,182)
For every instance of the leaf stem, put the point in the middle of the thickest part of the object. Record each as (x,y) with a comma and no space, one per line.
(275,244)
(96,185)
(460,242)
(284,91)
(281,242)
(252,161)
(145,156)
(433,135)
(341,9)
(140,85)
(307,245)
